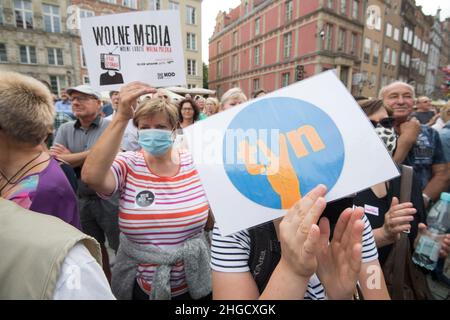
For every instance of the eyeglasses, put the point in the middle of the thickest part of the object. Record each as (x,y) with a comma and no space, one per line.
(81,98)
(385,123)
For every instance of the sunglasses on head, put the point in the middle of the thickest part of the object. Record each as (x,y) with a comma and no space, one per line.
(385,123)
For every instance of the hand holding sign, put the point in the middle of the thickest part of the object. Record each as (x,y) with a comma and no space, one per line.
(128,97)
(279,171)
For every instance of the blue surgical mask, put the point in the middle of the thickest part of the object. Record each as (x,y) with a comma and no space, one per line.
(155,141)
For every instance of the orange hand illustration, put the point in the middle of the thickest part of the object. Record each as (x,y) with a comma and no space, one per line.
(279,171)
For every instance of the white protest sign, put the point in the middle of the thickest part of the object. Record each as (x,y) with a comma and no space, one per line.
(257,159)
(137,46)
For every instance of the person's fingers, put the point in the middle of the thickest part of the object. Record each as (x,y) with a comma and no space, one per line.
(324,226)
(356,258)
(312,242)
(394,201)
(303,205)
(341,224)
(311,217)
(393,222)
(351,234)
(404,212)
(422,228)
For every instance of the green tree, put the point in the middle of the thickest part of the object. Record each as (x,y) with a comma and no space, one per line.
(205,75)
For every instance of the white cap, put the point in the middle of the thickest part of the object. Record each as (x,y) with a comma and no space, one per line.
(86,89)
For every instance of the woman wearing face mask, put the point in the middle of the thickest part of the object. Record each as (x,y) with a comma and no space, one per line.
(163,209)
(387,217)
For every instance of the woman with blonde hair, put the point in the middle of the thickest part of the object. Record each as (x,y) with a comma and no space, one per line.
(163,209)
(232,98)
(211,106)
(29,176)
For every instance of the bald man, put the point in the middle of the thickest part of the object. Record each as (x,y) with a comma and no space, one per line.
(418,145)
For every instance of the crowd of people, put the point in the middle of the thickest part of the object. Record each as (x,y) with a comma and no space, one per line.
(112,176)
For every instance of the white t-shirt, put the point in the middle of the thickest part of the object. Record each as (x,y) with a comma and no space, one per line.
(81,278)
(232,253)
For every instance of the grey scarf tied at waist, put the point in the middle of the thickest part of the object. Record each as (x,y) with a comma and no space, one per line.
(194,253)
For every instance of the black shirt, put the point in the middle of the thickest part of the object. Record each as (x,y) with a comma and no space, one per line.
(367,197)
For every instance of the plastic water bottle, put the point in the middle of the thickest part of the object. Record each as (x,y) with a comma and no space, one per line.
(438,222)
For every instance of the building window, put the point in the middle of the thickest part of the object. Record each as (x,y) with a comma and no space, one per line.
(257,59)
(191,41)
(52,20)
(219,47)
(394,57)
(341,40)
(130,4)
(1,15)
(402,59)
(257,26)
(27,54)
(110,1)
(219,69)
(235,63)
(235,38)
(3,55)
(367,45)
(192,67)
(173,5)
(155,5)
(246,6)
(376,53)
(330,4)
(86,80)
(24,14)
(396,34)
(407,60)
(287,45)
(285,79)
(289,10)
(55,56)
(405,34)
(86,13)
(354,43)
(328,37)
(355,9)
(83,58)
(388,30)
(57,83)
(343,8)
(256,84)
(190,15)
(410,37)
(387,55)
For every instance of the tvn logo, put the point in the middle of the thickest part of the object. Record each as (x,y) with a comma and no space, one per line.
(165,75)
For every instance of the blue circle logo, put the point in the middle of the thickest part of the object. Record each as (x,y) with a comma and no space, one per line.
(277,149)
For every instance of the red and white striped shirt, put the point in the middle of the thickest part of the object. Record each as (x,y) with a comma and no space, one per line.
(159,211)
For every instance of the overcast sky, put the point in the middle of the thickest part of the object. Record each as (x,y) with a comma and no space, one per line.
(210,9)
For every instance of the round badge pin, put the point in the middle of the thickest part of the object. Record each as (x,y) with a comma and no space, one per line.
(145,198)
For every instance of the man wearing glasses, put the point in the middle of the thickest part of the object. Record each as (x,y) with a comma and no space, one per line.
(421,145)
(72,144)
(424,113)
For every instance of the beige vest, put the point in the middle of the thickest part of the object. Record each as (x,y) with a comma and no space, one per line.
(33,247)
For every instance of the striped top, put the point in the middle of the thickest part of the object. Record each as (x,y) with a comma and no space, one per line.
(159,211)
(232,253)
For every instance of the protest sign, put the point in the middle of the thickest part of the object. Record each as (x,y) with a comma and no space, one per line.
(136,46)
(257,159)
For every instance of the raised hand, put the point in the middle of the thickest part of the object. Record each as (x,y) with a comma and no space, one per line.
(397,219)
(339,262)
(409,130)
(128,96)
(299,234)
